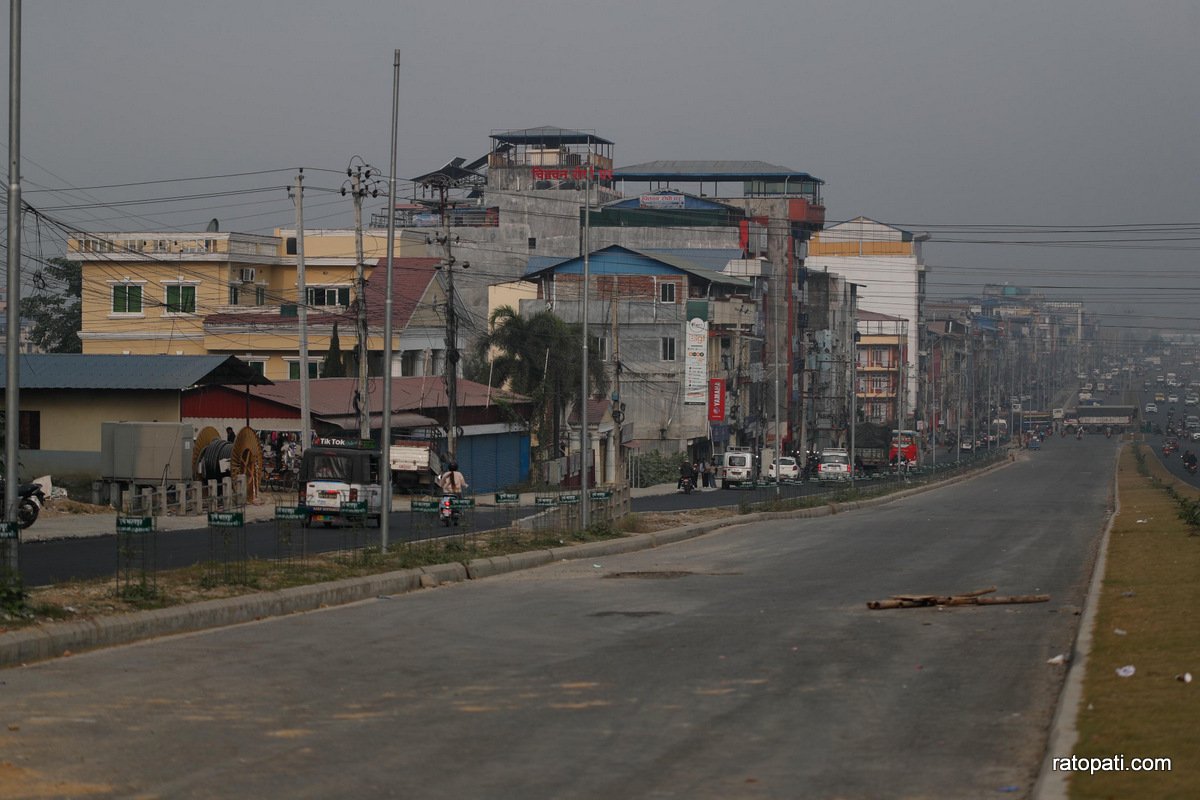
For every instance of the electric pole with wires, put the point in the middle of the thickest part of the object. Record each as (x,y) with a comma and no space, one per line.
(359,184)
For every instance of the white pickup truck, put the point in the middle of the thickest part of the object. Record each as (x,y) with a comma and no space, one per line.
(415,466)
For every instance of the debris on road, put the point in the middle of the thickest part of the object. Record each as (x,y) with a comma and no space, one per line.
(975,598)
(1058,659)
(1126,671)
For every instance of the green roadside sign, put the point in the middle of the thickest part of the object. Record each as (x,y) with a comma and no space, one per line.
(9,530)
(291,513)
(600,494)
(545,501)
(226,519)
(425,506)
(135,524)
(462,502)
(354,508)
(568,499)
(508,499)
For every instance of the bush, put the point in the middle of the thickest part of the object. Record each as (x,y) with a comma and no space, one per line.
(654,468)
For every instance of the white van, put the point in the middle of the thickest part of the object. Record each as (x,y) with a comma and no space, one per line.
(735,468)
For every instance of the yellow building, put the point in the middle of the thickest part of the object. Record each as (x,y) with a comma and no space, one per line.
(152,293)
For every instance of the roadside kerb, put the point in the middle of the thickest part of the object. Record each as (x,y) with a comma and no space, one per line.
(60,638)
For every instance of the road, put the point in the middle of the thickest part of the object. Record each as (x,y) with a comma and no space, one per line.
(740,664)
(50,561)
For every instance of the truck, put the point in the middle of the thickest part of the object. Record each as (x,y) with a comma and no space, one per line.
(415,466)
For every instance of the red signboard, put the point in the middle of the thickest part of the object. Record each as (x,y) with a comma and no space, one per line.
(716,400)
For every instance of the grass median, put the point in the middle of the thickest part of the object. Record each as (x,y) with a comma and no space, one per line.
(1146,620)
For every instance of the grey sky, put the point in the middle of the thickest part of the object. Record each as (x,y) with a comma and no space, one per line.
(914,113)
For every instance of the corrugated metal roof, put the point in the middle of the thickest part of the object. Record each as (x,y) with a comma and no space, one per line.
(83,371)
(548,134)
(335,396)
(677,259)
(709,171)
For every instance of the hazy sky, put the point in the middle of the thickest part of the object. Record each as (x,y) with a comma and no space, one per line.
(932,115)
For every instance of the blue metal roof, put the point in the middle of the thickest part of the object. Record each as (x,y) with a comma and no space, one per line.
(618,260)
(82,371)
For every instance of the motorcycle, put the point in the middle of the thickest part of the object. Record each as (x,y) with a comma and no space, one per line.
(448,510)
(1190,467)
(687,484)
(30,499)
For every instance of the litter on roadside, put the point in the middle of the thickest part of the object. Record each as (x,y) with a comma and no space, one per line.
(975,598)
(1126,671)
(1058,659)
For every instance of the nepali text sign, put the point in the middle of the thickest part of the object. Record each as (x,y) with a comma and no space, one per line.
(226,519)
(568,499)
(600,494)
(135,524)
(291,512)
(424,505)
(661,201)
(508,499)
(9,530)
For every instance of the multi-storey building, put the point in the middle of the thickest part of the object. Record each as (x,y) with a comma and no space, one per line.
(886,263)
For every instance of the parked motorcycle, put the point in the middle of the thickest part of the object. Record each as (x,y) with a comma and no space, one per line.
(30,499)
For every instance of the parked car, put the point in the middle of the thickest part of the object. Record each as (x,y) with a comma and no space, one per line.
(785,468)
(1151,408)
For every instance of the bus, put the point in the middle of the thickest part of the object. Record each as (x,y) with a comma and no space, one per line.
(904,447)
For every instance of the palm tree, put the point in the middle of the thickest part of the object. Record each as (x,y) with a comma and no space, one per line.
(539,356)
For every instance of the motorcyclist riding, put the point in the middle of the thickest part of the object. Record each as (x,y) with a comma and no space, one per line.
(452,483)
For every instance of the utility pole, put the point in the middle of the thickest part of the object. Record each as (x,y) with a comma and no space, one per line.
(358,175)
(385,425)
(302,315)
(585,439)
(12,404)
(451,334)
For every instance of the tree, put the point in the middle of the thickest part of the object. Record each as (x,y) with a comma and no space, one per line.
(334,365)
(55,308)
(538,356)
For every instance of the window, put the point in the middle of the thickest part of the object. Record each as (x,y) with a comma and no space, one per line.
(30,436)
(600,343)
(668,348)
(258,366)
(666,292)
(329,296)
(126,299)
(234,294)
(260,295)
(181,299)
(314,369)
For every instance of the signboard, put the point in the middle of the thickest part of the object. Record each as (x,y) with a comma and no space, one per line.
(508,499)
(716,400)
(354,508)
(545,501)
(9,530)
(661,201)
(462,502)
(135,524)
(600,494)
(291,512)
(226,519)
(424,505)
(695,364)
(568,499)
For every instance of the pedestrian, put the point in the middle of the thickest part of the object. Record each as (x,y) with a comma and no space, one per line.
(229,434)
(703,470)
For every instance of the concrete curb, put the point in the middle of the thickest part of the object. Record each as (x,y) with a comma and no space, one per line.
(63,638)
(1064,731)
